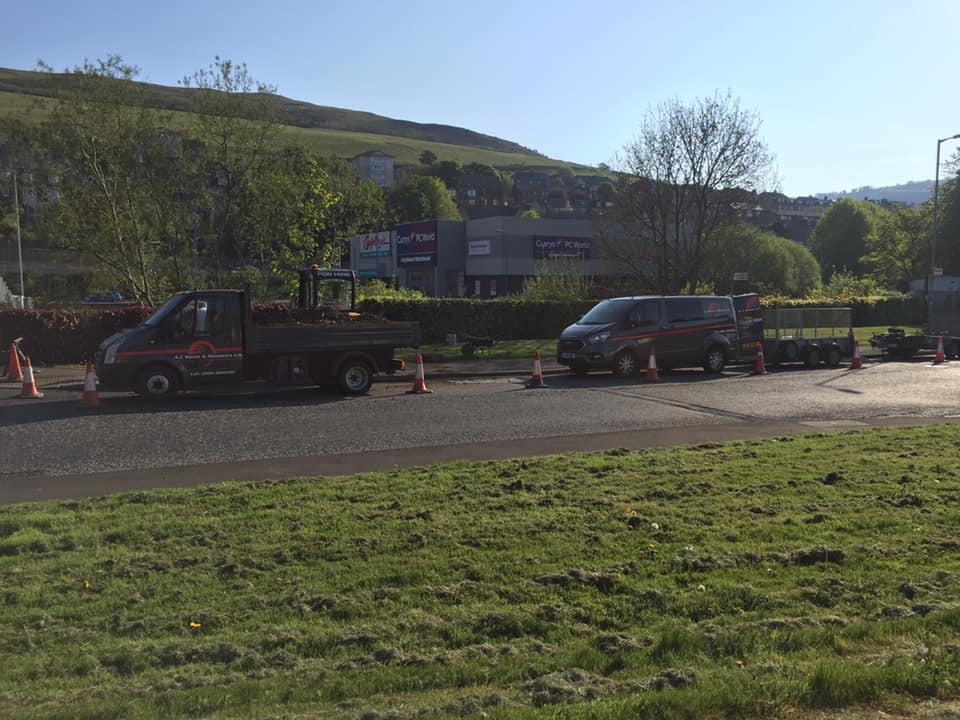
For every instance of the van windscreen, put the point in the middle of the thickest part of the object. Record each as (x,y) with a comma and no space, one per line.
(609,311)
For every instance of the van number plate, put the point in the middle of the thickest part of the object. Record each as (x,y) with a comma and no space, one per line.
(568,356)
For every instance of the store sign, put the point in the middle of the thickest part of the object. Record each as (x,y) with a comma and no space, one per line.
(478,247)
(417,244)
(555,247)
(375,244)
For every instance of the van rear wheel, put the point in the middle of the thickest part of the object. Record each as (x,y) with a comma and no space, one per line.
(715,360)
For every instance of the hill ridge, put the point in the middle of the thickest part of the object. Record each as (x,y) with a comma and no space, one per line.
(294,113)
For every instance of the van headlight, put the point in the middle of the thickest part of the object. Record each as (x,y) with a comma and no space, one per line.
(110,354)
(597,338)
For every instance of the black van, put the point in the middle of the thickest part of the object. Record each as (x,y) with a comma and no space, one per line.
(684,330)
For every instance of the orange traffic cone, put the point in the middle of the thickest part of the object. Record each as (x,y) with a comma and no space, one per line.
(419,383)
(537,379)
(14,371)
(939,357)
(857,361)
(90,396)
(652,365)
(29,384)
(758,367)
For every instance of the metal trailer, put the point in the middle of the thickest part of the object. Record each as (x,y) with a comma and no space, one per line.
(942,325)
(807,335)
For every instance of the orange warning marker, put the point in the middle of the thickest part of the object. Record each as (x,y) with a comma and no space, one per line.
(29,384)
(14,371)
(758,366)
(419,382)
(90,396)
(939,357)
(857,361)
(537,380)
(652,365)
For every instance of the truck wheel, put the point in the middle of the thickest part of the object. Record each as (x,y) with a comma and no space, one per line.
(811,357)
(625,364)
(157,383)
(715,360)
(950,351)
(833,356)
(355,377)
(789,352)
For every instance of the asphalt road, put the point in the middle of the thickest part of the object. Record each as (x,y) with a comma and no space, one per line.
(53,448)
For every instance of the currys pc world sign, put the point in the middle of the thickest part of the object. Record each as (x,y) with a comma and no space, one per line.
(417,244)
(555,247)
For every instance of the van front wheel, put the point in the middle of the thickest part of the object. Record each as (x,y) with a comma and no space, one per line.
(625,364)
(715,360)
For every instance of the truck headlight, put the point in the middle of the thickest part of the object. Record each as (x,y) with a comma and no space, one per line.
(110,355)
(597,338)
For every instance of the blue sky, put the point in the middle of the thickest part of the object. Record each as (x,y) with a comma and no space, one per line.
(850,92)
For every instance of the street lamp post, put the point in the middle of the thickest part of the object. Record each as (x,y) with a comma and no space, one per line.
(933,239)
(16,210)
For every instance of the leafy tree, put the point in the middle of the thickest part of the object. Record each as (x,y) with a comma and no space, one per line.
(774,265)
(117,176)
(559,279)
(420,198)
(428,157)
(683,175)
(449,172)
(606,193)
(286,223)
(360,206)
(839,240)
(236,120)
(476,168)
(897,244)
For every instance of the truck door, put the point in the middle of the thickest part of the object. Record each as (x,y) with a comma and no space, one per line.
(206,330)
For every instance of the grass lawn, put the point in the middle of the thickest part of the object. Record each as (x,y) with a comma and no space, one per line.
(750,579)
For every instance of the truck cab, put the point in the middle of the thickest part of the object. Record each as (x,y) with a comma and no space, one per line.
(195,339)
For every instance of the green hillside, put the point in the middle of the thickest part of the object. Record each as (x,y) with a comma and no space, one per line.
(325,130)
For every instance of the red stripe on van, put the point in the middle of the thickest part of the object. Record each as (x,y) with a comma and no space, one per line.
(675,332)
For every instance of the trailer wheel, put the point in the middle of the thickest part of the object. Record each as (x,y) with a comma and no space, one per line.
(625,364)
(714,360)
(355,376)
(789,352)
(811,356)
(156,383)
(833,356)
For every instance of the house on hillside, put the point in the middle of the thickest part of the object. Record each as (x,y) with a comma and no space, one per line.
(374,165)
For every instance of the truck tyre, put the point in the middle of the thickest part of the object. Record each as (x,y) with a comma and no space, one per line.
(625,364)
(950,351)
(811,356)
(715,360)
(355,377)
(833,356)
(789,352)
(157,383)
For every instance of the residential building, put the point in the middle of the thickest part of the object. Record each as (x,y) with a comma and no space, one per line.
(375,165)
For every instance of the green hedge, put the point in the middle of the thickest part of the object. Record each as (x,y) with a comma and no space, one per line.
(506,319)
(72,336)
